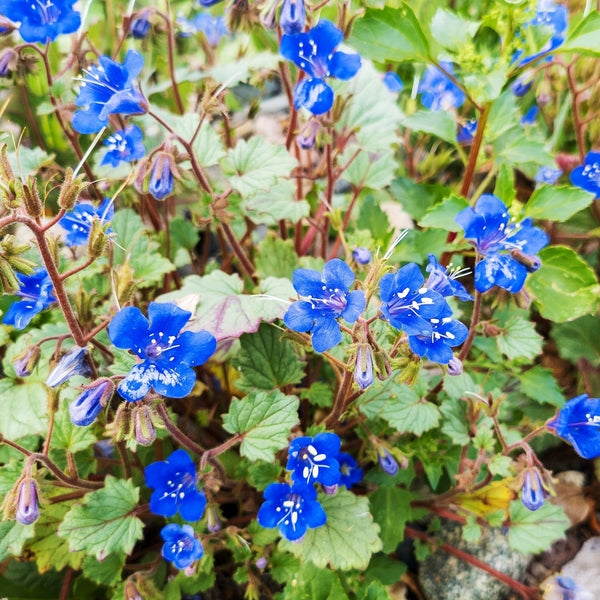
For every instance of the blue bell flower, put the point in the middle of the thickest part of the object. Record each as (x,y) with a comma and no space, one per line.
(362,256)
(168,355)
(74,362)
(363,368)
(445,283)
(549,175)
(350,472)
(160,183)
(466,134)
(388,463)
(28,507)
(533,493)
(587,176)
(124,146)
(36,291)
(292,16)
(140,26)
(438,91)
(181,546)
(78,222)
(315,53)
(314,460)
(393,82)
(214,28)
(86,407)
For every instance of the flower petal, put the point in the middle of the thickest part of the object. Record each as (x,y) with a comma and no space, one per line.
(300,316)
(314,95)
(336,273)
(174,382)
(356,303)
(196,347)
(326,334)
(138,382)
(129,329)
(167,318)
(344,66)
(500,270)
(326,38)
(192,505)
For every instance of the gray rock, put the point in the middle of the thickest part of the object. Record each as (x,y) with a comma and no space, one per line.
(584,569)
(444,576)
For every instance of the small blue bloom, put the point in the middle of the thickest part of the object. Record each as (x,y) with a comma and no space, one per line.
(531,115)
(74,362)
(207,3)
(363,370)
(28,508)
(314,460)
(445,283)
(446,333)
(350,472)
(522,84)
(407,303)
(393,82)
(214,28)
(361,255)
(26,361)
(160,183)
(175,485)
(141,25)
(533,493)
(579,423)
(455,367)
(108,89)
(587,176)
(8,60)
(85,408)
(293,509)
(438,91)
(325,298)
(124,146)
(181,546)
(314,52)
(388,463)
(508,250)
(292,16)
(78,222)
(307,136)
(168,355)
(36,291)
(466,133)
(548,175)
(42,19)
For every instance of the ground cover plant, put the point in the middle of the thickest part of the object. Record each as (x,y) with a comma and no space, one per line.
(287,284)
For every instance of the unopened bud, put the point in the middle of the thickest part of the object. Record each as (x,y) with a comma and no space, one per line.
(362,256)
(132,592)
(267,16)
(330,490)
(292,16)
(143,427)
(98,238)
(28,509)
(8,61)
(30,197)
(262,562)
(85,408)
(25,362)
(533,493)
(455,366)
(72,363)
(71,189)
(160,183)
(531,262)
(387,461)
(140,25)
(6,172)
(213,523)
(306,138)
(363,370)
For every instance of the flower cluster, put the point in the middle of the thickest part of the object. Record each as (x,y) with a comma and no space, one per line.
(78,222)
(508,250)
(438,91)
(36,291)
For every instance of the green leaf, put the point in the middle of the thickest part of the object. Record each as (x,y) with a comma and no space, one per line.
(27,161)
(311,583)
(283,566)
(531,532)
(208,147)
(505,185)
(258,164)
(261,474)
(515,148)
(390,507)
(346,541)
(578,339)
(265,420)
(454,423)
(451,30)
(471,531)
(105,572)
(565,287)
(539,384)
(442,215)
(103,524)
(183,233)
(391,34)
(500,466)
(24,408)
(66,436)
(276,258)
(371,217)
(385,569)
(266,360)
(585,38)
(368,171)
(13,537)
(416,198)
(557,203)
(269,207)
(519,339)
(318,394)
(441,124)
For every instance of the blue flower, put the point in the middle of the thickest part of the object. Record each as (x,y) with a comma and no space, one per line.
(531,115)
(579,423)
(124,146)
(141,25)
(388,463)
(314,52)
(325,298)
(78,222)
(406,302)
(160,183)
(314,460)
(467,132)
(393,82)
(42,19)
(549,175)
(175,485)
(508,250)
(293,509)
(108,89)
(292,16)
(181,546)
(307,136)
(446,333)
(522,84)
(445,283)
(74,362)
(361,255)
(551,18)
(363,369)
(26,361)
(85,408)
(438,91)
(533,493)
(587,176)
(214,28)
(167,355)
(350,472)
(207,3)
(28,508)
(36,291)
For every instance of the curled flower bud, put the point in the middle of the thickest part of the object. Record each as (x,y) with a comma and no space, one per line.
(330,490)
(533,493)
(131,591)
(160,184)
(362,256)
(363,371)
(388,463)
(455,366)
(85,408)
(28,509)
(72,363)
(8,60)
(267,16)
(306,138)
(262,562)
(213,523)
(143,427)
(292,16)
(25,362)
(140,25)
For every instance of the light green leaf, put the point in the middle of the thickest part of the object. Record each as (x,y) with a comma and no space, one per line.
(258,165)
(578,339)
(442,215)
(269,207)
(27,161)
(208,147)
(103,524)
(311,583)
(66,436)
(276,258)
(519,339)
(505,185)
(105,572)
(390,507)
(539,384)
(13,537)
(318,394)
(565,287)
(391,34)
(440,123)
(515,148)
(557,203)
(454,423)
(265,420)
(266,360)
(585,38)
(183,233)
(367,170)
(451,30)
(24,408)
(531,532)
(346,541)
(372,218)
(500,466)
(262,474)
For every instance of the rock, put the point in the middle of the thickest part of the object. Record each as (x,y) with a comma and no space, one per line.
(584,569)
(444,576)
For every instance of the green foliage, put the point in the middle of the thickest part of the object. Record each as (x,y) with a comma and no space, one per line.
(519,339)
(390,507)
(23,408)
(585,37)
(557,203)
(579,338)
(442,215)
(539,384)
(531,532)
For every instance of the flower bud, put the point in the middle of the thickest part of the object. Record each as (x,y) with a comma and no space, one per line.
(131,591)
(306,138)
(522,84)
(25,362)
(533,493)
(28,509)
(74,362)
(213,523)
(143,427)
(292,16)
(6,172)
(387,461)
(330,490)
(8,60)
(267,17)
(71,189)
(140,25)
(98,238)
(362,256)
(455,366)
(85,408)
(363,370)
(160,184)
(262,562)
